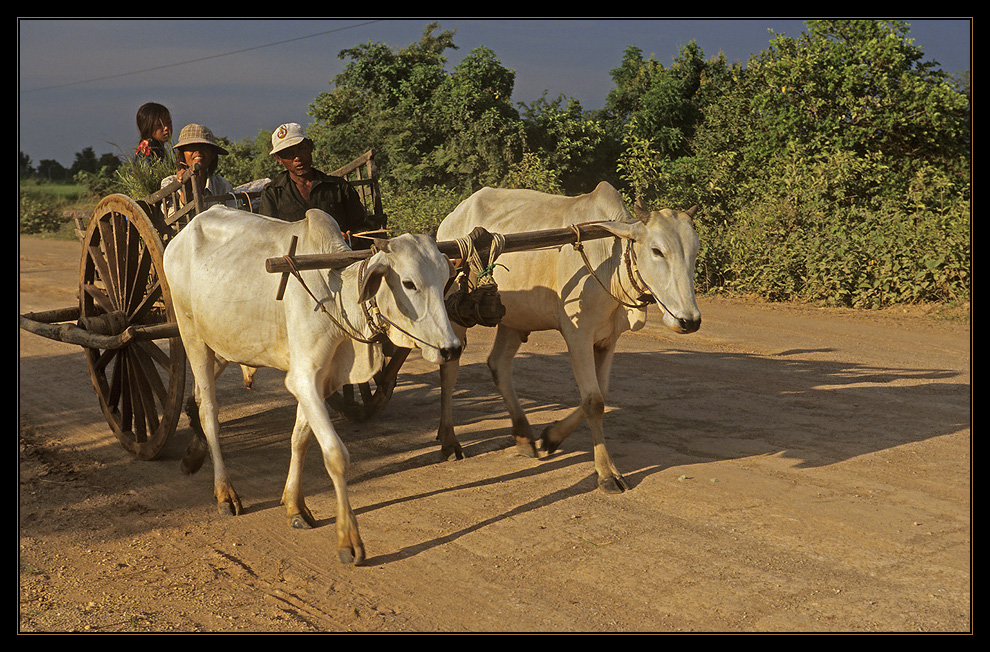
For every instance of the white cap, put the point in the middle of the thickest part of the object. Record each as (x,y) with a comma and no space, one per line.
(286,136)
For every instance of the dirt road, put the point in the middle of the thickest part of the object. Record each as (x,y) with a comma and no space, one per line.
(791,469)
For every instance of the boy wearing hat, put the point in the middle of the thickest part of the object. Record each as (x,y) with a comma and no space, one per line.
(197,144)
(301,186)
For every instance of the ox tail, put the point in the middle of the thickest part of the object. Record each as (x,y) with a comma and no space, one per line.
(196,451)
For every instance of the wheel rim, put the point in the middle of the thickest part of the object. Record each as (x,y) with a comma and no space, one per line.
(139,385)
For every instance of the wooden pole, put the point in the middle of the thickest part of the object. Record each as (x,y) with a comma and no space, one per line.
(513,242)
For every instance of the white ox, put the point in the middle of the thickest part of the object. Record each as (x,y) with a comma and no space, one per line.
(552,289)
(226,310)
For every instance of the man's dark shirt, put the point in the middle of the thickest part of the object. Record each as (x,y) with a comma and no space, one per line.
(334,195)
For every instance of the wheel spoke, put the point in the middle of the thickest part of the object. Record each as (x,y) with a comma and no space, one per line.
(129,265)
(121,235)
(105,259)
(119,395)
(101,297)
(140,282)
(144,308)
(144,414)
(148,374)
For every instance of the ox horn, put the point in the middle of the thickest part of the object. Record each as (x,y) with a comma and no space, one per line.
(642,212)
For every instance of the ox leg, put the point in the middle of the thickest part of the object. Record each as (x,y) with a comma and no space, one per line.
(198,448)
(202,361)
(507,343)
(554,434)
(297,513)
(448,380)
(350,548)
(445,433)
(592,379)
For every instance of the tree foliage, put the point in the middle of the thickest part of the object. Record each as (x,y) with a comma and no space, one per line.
(833,167)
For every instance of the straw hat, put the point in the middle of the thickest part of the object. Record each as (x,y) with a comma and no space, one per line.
(192,134)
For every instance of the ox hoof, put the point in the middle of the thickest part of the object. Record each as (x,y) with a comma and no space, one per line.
(549,446)
(447,451)
(189,467)
(230,506)
(612,485)
(192,459)
(348,556)
(526,449)
(299,522)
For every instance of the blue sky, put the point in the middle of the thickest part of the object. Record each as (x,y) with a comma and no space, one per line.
(81,81)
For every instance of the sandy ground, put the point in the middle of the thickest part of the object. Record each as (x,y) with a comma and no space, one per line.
(791,469)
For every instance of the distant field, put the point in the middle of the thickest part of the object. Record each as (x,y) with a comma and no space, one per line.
(71,194)
(44,207)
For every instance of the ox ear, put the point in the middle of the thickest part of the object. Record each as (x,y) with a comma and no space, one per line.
(374,272)
(627,230)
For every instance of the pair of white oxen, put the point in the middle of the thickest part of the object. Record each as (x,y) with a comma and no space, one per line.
(226,311)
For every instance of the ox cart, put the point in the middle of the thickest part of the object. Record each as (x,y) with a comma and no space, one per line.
(125,321)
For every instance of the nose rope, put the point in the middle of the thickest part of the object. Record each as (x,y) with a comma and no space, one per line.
(370,313)
(378,313)
(579,247)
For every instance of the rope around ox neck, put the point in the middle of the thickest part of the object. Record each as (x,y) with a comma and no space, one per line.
(632,268)
(370,309)
(379,333)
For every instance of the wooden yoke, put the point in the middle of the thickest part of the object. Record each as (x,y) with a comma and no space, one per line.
(513,242)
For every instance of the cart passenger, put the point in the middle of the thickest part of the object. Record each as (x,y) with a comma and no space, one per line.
(154,123)
(301,186)
(197,144)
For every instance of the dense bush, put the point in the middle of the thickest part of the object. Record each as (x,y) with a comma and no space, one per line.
(39,214)
(835,169)
(418,210)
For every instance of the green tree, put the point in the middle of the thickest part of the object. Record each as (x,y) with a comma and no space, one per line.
(383,99)
(248,160)
(24,168)
(652,114)
(827,166)
(427,127)
(52,170)
(85,161)
(662,104)
(861,86)
(567,140)
(481,133)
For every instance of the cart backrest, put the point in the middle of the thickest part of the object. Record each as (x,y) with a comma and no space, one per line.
(362,174)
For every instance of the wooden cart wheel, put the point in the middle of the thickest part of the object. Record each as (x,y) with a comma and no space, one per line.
(122,283)
(361,402)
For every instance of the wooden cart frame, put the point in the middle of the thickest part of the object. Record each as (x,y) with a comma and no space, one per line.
(126,324)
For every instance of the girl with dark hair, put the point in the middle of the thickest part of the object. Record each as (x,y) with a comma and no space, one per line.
(154,123)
